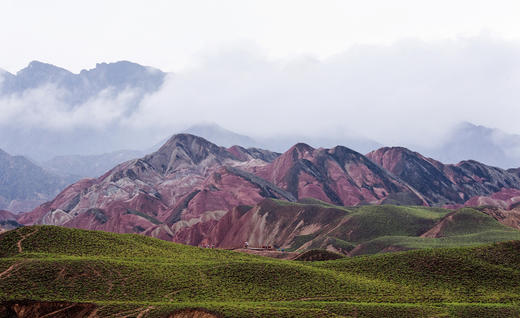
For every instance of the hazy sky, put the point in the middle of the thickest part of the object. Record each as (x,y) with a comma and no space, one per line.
(173,35)
(399,72)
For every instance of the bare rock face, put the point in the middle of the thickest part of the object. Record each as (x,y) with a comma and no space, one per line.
(509,218)
(270,223)
(442,184)
(186,151)
(505,199)
(223,190)
(339,175)
(187,181)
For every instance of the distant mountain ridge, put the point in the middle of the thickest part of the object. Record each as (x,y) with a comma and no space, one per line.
(86,84)
(221,136)
(476,142)
(24,185)
(338,175)
(85,166)
(89,95)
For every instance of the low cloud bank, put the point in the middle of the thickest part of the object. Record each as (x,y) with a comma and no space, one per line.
(409,93)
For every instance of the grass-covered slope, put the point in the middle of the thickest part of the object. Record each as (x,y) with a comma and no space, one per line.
(136,275)
(311,224)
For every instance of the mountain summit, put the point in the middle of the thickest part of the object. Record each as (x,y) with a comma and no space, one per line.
(184,150)
(86,84)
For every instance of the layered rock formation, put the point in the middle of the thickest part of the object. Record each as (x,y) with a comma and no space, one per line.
(193,191)
(339,175)
(187,179)
(442,184)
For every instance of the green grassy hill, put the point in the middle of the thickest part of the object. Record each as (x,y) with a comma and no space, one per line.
(145,277)
(374,229)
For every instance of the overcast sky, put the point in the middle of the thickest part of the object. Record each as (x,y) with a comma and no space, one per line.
(399,72)
(173,35)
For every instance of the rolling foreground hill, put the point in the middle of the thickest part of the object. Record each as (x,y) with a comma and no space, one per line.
(60,272)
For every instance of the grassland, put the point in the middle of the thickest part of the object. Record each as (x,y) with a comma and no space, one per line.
(374,229)
(136,275)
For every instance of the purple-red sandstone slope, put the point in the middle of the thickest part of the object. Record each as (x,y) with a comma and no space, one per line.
(339,175)
(443,184)
(192,191)
(184,180)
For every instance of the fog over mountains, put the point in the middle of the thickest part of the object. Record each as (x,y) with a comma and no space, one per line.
(488,145)
(49,111)
(24,185)
(72,123)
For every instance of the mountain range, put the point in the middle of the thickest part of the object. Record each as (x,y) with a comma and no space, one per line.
(24,185)
(193,191)
(469,141)
(80,87)
(211,186)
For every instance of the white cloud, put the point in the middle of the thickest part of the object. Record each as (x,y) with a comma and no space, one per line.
(408,93)
(168,33)
(44,108)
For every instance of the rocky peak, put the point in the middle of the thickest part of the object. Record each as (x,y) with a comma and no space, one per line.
(299,151)
(396,159)
(343,154)
(184,150)
(38,73)
(37,66)
(389,152)
(124,73)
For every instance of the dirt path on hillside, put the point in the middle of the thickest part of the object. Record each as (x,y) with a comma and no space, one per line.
(9,270)
(19,243)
